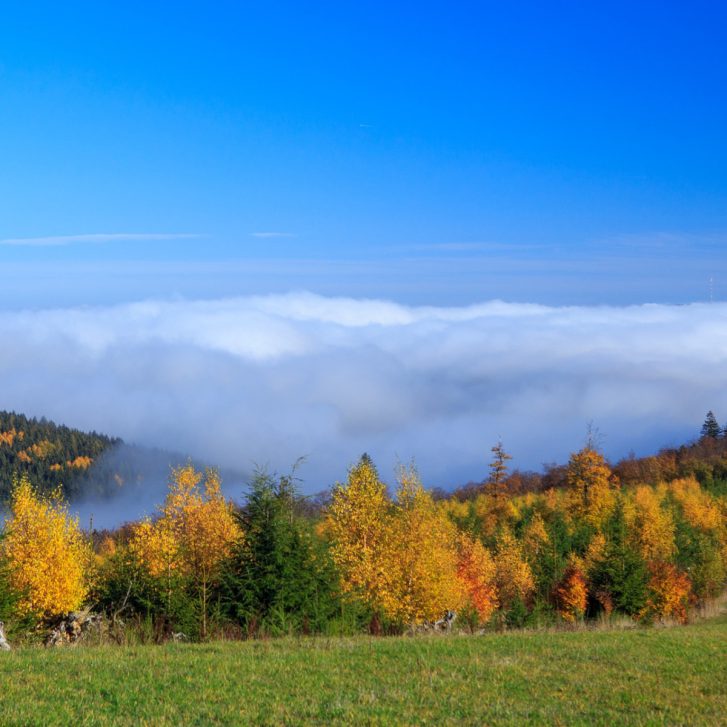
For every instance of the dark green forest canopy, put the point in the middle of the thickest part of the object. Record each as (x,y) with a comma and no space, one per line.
(52,455)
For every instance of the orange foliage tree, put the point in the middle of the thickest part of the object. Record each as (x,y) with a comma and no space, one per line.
(476,570)
(47,556)
(670,592)
(571,592)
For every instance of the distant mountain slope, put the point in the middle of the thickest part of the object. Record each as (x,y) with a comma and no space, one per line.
(51,455)
(88,466)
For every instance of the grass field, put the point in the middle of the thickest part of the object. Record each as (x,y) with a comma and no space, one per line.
(639,676)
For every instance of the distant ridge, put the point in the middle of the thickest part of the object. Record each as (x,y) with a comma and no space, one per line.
(88,466)
(52,455)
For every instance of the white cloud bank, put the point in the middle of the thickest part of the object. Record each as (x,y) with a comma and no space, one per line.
(269,379)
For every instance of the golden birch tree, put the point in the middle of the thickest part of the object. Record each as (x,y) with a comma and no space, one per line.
(424,555)
(195,533)
(358,523)
(47,555)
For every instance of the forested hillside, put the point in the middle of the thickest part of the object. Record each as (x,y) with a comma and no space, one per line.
(51,455)
(646,540)
(705,459)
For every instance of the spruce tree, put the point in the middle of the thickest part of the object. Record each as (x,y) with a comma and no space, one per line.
(280,578)
(622,572)
(710,428)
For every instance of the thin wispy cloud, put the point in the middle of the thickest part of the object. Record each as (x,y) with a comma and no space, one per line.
(474,247)
(663,241)
(271,235)
(95,238)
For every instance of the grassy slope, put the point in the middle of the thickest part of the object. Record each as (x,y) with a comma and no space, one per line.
(649,676)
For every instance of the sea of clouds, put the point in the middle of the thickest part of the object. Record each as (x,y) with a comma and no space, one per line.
(265,380)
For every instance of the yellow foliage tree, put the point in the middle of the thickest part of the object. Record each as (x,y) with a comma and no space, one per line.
(513,574)
(699,508)
(589,478)
(704,512)
(535,539)
(196,532)
(595,552)
(399,558)
(358,523)
(423,554)
(48,557)
(651,525)
(157,548)
(494,512)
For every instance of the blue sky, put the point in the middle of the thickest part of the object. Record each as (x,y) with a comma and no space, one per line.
(561,153)
(215,189)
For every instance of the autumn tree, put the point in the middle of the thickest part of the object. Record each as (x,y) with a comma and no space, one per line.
(571,592)
(514,576)
(651,525)
(498,470)
(476,569)
(535,539)
(670,593)
(400,558)
(698,507)
(358,523)
(194,534)
(47,556)
(423,554)
(589,479)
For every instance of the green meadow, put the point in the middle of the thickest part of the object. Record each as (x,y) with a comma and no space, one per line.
(635,676)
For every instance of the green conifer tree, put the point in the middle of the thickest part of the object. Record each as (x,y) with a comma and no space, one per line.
(622,572)
(280,578)
(710,428)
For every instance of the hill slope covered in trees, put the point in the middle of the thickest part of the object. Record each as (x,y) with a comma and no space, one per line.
(51,455)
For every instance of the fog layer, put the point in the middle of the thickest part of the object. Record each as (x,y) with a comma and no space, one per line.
(269,379)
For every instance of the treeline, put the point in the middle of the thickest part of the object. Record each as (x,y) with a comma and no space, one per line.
(373,560)
(52,456)
(704,459)
(89,464)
